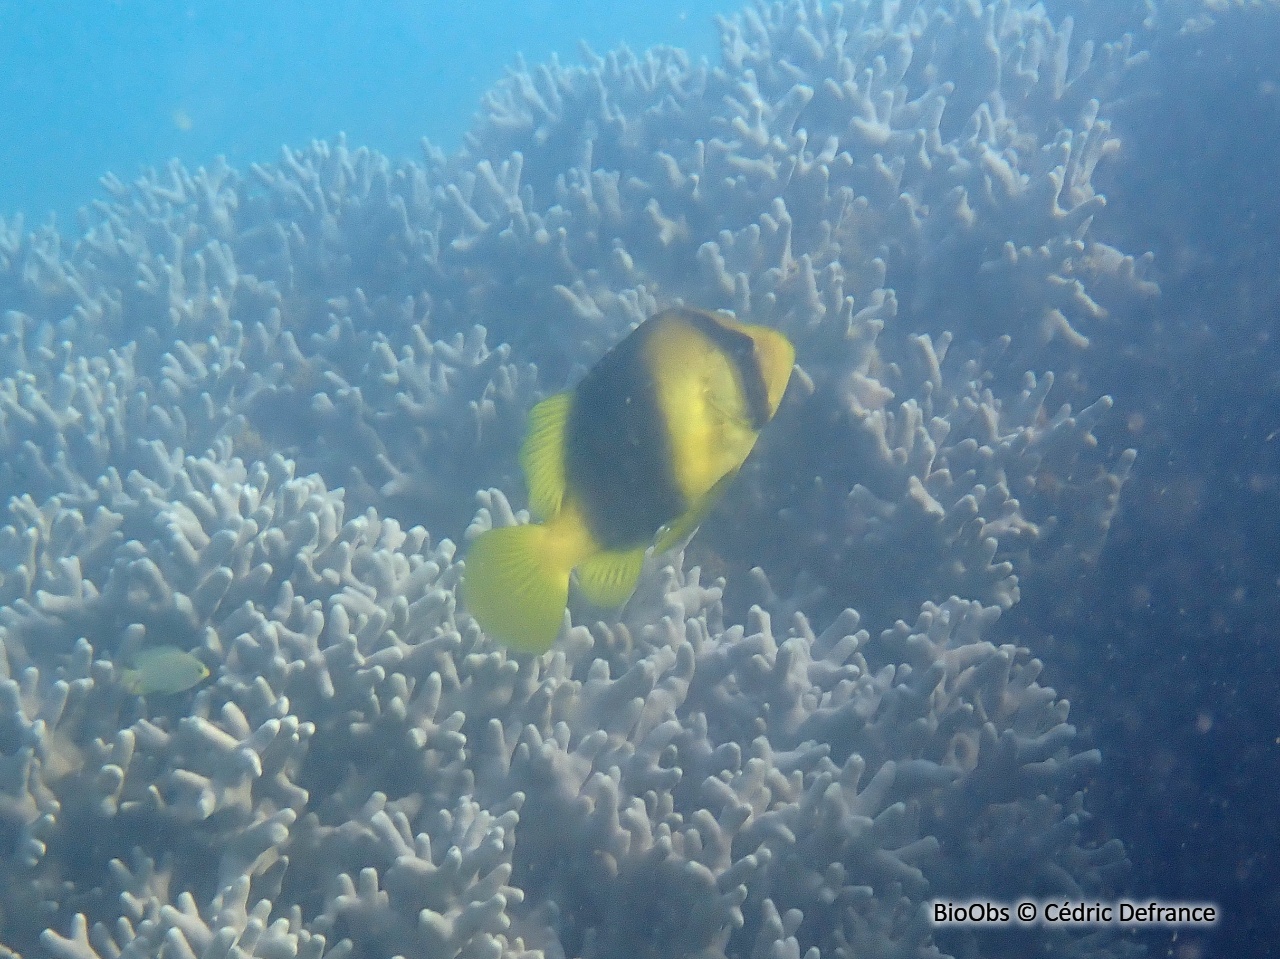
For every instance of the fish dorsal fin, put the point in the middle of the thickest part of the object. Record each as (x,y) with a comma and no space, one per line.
(609,578)
(684,525)
(542,455)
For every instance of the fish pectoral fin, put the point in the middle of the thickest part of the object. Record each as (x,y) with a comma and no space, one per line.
(687,523)
(542,455)
(727,416)
(514,589)
(609,578)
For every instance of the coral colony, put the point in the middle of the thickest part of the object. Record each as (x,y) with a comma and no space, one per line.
(255,417)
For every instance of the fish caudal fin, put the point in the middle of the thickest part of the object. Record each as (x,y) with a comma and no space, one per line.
(515,589)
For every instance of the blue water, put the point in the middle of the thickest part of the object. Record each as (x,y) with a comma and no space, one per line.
(124,85)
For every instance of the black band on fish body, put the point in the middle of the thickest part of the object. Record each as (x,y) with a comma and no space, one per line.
(617,449)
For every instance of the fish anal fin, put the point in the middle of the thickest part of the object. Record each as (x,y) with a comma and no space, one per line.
(515,589)
(609,578)
(542,455)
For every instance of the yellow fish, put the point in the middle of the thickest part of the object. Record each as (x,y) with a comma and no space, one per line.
(639,451)
(163,669)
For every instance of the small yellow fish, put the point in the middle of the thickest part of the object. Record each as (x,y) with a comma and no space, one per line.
(635,455)
(163,669)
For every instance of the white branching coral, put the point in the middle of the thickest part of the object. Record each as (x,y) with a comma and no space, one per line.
(366,772)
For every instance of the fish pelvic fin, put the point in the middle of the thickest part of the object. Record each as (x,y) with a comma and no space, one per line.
(609,578)
(685,525)
(516,586)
